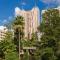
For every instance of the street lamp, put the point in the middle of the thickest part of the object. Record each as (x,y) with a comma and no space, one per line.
(20,47)
(19,44)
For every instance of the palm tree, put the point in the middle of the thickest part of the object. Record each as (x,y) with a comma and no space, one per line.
(18,25)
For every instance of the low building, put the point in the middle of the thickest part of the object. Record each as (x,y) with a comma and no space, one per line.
(3,31)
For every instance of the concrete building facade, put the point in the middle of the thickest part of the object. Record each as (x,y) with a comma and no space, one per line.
(31,18)
(3,31)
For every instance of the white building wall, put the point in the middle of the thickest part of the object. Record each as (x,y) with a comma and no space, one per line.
(3,31)
(31,20)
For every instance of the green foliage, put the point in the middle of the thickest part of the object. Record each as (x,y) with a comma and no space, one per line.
(8,48)
(11,56)
(26,55)
(50,38)
(29,42)
(18,23)
(46,49)
(18,26)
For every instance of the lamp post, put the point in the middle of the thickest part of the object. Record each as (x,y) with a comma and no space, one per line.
(19,44)
(20,47)
(18,31)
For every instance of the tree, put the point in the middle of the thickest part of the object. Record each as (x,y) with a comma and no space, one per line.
(8,48)
(2,55)
(50,27)
(18,26)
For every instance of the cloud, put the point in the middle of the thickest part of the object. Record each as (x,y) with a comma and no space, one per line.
(2,27)
(23,3)
(4,21)
(48,1)
(10,17)
(17,11)
(51,1)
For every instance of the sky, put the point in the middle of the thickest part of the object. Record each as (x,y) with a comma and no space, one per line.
(7,7)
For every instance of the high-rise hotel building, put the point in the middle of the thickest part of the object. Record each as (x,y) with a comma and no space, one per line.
(31,18)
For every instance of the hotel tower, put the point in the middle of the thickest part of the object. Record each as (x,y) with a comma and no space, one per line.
(31,18)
